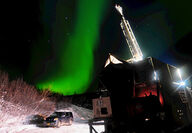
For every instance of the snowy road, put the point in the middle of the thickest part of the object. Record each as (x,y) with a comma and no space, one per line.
(74,128)
(80,124)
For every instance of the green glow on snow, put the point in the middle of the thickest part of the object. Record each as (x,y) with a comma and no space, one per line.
(76,61)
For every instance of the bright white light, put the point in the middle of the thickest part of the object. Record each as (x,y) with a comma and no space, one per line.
(99,128)
(147,119)
(102,121)
(179,83)
(175,83)
(155,76)
(179,73)
(119,9)
(131,60)
(114,60)
(138,58)
(182,83)
(107,62)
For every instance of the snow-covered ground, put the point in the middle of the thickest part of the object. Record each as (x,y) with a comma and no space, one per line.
(80,124)
(74,128)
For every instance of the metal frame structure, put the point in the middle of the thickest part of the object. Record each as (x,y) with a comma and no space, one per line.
(130,37)
(98,121)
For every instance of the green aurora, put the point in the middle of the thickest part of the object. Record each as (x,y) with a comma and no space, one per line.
(73,75)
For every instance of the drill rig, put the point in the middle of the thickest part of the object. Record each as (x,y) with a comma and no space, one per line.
(144,94)
(129,36)
(131,41)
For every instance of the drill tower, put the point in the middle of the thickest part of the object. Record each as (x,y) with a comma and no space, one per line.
(130,38)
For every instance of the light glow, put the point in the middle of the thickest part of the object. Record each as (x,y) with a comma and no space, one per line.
(107,62)
(179,83)
(119,9)
(155,76)
(130,37)
(179,73)
(99,128)
(182,83)
(113,60)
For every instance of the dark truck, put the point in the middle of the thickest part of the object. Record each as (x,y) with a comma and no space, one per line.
(58,119)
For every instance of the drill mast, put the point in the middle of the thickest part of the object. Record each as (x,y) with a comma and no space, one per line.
(130,38)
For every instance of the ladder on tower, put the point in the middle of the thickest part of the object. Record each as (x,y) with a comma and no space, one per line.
(130,37)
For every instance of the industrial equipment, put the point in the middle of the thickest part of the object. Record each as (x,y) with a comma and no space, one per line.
(130,37)
(146,95)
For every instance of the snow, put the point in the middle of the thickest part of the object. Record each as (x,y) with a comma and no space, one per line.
(76,127)
(80,125)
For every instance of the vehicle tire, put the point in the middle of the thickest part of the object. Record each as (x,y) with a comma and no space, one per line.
(58,124)
(70,122)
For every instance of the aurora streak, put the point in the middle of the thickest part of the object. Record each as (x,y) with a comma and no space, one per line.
(76,59)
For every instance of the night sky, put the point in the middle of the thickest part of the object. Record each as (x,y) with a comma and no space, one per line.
(65,43)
